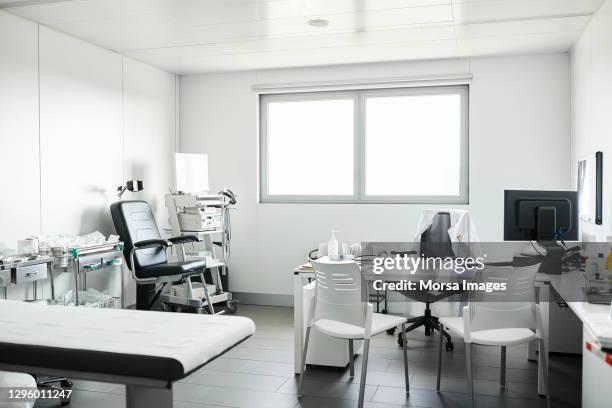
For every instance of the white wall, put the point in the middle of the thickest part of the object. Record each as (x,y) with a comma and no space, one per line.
(76,121)
(519,138)
(591,66)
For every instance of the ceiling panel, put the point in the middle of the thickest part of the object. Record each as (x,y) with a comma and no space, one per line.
(85,10)
(349,22)
(198,12)
(215,35)
(306,43)
(188,64)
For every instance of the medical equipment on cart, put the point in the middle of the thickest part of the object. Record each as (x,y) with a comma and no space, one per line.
(207,217)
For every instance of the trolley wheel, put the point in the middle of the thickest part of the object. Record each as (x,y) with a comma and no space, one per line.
(199,310)
(384,311)
(64,403)
(66,384)
(400,339)
(391,331)
(449,346)
(231,307)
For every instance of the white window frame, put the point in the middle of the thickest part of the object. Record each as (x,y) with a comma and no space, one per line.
(359,97)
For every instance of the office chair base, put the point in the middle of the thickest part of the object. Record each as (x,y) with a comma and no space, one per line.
(431,324)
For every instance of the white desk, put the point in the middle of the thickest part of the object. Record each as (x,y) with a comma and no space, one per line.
(596,324)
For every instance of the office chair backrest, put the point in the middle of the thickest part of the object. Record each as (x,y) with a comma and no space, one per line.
(338,292)
(510,308)
(134,222)
(435,241)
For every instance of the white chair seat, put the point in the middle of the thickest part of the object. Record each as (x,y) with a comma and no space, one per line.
(10,380)
(380,323)
(493,337)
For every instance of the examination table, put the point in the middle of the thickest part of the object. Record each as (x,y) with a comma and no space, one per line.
(147,351)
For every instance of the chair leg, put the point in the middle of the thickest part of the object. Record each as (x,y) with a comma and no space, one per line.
(303,368)
(502,373)
(470,374)
(406,372)
(440,358)
(351,358)
(364,370)
(543,359)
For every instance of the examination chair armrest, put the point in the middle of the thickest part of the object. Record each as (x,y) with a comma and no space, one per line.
(184,239)
(147,243)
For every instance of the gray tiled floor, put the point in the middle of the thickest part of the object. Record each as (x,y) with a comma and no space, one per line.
(259,373)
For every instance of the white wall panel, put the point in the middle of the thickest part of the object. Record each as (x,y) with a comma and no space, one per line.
(149,132)
(81,133)
(103,119)
(591,63)
(19,171)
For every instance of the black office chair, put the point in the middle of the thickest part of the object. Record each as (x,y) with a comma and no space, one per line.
(435,242)
(145,251)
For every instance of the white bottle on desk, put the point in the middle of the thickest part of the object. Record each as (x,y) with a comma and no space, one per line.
(332,247)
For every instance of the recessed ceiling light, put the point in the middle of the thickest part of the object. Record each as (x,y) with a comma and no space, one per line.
(318,22)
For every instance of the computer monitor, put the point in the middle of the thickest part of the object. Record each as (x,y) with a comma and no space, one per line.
(540,215)
(543,216)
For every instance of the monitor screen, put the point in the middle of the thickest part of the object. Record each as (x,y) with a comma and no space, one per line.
(540,215)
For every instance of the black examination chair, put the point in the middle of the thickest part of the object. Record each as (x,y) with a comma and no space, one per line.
(145,251)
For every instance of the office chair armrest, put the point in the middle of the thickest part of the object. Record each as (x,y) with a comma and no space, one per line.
(184,239)
(147,243)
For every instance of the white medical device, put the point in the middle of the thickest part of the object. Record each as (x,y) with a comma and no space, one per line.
(191,172)
(192,211)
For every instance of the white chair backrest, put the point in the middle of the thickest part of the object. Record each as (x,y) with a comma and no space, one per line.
(510,308)
(338,292)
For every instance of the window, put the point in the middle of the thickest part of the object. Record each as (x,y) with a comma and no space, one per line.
(406,145)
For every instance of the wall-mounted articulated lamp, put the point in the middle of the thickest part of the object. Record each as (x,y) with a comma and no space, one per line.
(131,185)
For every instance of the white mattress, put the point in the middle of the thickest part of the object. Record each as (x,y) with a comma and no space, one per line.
(190,339)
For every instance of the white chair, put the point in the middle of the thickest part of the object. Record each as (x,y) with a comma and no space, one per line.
(500,318)
(339,310)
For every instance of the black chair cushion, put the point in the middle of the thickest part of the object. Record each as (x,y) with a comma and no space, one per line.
(170,268)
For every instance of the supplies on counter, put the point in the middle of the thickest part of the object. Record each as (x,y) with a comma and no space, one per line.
(76,241)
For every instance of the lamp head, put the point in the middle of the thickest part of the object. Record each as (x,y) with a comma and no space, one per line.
(131,185)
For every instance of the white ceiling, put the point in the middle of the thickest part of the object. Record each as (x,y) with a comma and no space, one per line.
(198,36)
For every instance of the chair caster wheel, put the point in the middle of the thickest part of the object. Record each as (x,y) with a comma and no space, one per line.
(391,331)
(449,346)
(231,308)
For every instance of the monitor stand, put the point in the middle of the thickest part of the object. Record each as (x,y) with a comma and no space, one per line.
(552,261)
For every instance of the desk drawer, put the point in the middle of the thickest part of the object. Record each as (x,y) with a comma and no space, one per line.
(30,273)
